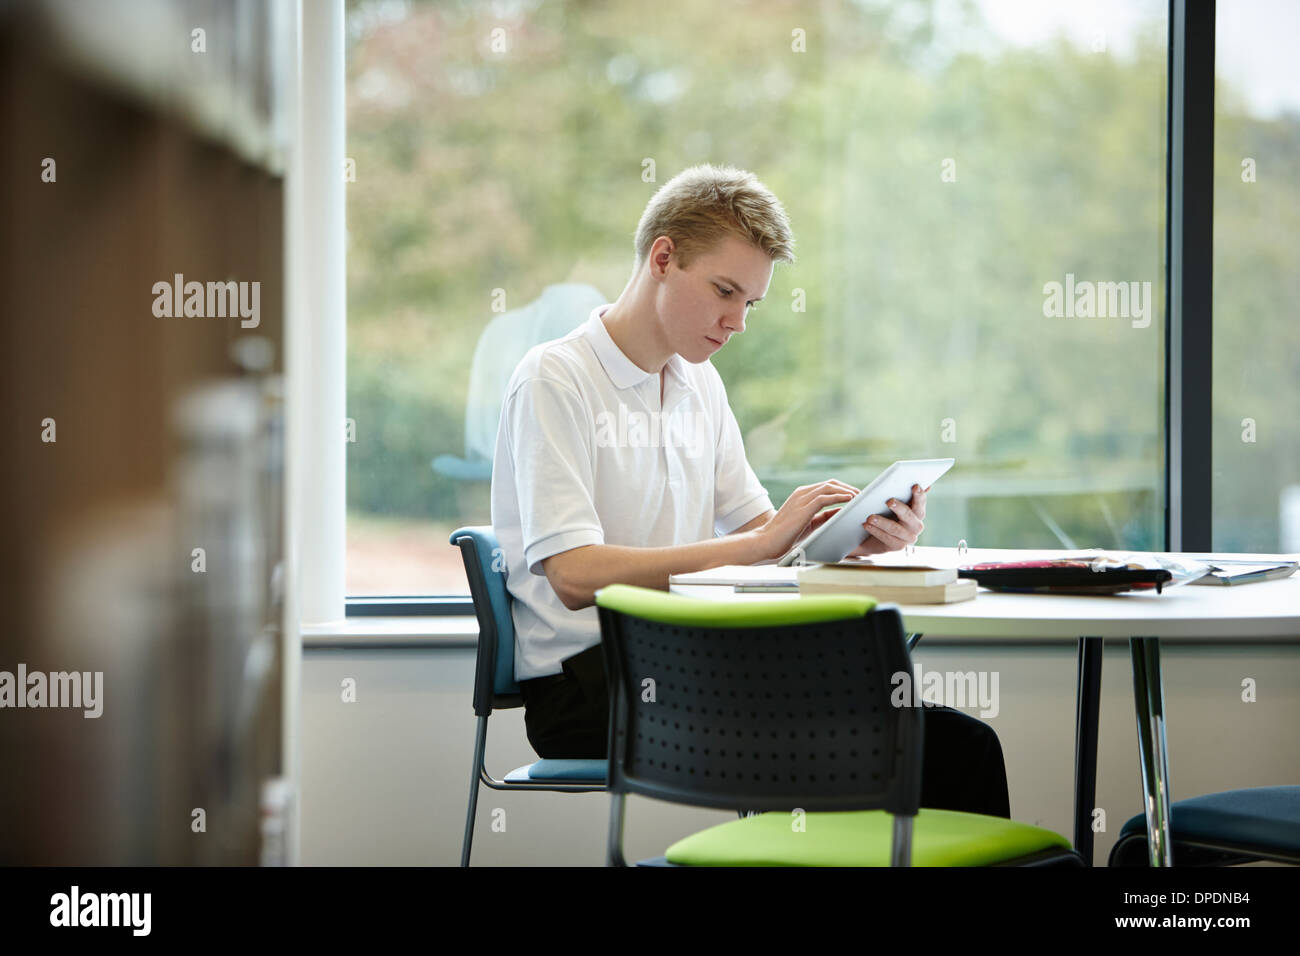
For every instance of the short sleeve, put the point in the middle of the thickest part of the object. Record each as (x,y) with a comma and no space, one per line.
(738,498)
(551,456)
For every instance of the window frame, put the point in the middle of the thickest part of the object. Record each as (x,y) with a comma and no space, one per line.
(1189,251)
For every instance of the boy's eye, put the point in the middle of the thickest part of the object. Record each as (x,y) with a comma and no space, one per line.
(727,292)
(724,293)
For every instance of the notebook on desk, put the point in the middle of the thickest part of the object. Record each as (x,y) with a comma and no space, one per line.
(1224,572)
(730,575)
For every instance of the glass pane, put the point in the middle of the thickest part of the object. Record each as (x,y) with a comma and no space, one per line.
(1256,484)
(977,194)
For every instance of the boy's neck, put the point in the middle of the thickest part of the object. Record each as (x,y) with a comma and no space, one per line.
(635,329)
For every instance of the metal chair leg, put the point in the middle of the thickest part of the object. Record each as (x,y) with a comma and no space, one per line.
(1087,704)
(480,744)
(1153,752)
(900,853)
(614,841)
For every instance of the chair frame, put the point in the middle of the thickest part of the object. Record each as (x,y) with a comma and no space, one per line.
(486,699)
(1193,853)
(882,623)
(901,793)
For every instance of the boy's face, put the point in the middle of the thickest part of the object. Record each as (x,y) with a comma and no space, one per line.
(702,306)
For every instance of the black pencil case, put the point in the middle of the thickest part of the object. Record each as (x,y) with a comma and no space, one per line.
(1065,576)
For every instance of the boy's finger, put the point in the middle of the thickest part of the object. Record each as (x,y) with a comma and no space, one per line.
(906,515)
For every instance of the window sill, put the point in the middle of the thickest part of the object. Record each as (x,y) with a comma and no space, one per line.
(444,630)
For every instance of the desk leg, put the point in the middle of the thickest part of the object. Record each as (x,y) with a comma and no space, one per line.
(1087,703)
(1153,750)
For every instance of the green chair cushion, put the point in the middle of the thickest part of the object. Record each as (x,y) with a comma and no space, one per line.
(862,838)
(653,605)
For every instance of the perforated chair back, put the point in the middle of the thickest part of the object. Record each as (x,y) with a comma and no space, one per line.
(778,704)
(494,673)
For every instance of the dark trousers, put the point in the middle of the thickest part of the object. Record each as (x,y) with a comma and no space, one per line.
(567,715)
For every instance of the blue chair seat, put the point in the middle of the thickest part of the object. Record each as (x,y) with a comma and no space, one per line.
(1253,817)
(567,771)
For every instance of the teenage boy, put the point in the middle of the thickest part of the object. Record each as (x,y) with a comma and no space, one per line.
(618,459)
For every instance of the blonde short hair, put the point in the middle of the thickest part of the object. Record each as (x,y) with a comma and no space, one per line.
(699,207)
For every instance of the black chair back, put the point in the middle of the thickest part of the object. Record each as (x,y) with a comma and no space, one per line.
(775,717)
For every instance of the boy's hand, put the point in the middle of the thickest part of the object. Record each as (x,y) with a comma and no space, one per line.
(887,534)
(798,516)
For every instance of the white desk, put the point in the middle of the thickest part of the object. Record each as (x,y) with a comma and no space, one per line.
(1218,615)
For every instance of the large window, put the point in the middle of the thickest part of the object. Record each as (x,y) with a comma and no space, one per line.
(1256,477)
(977,192)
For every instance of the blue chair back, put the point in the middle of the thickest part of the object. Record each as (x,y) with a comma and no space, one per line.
(495,686)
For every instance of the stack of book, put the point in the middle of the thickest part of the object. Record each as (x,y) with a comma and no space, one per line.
(895,583)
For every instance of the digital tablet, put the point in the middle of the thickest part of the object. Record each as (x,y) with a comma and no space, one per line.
(843,531)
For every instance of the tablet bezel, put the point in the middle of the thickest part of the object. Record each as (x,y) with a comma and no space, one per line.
(894,482)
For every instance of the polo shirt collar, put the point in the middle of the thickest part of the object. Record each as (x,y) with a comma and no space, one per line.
(622,371)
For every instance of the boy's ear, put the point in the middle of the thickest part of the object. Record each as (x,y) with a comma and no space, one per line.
(664,252)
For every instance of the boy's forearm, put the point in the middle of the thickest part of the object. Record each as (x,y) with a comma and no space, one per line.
(585,570)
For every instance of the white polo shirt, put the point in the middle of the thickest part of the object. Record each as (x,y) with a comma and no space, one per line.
(586,455)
